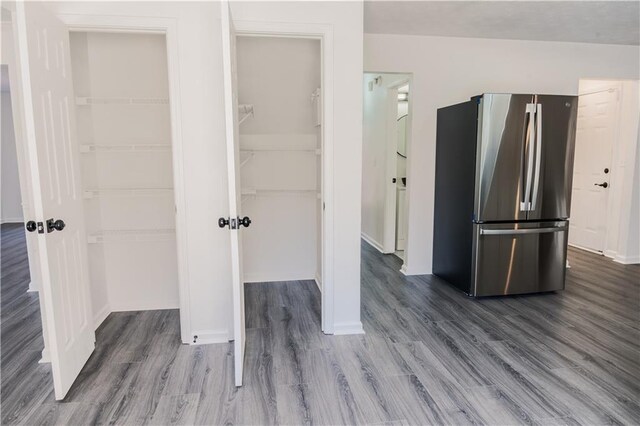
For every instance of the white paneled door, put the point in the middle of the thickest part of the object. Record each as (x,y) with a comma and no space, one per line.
(595,134)
(233,168)
(47,90)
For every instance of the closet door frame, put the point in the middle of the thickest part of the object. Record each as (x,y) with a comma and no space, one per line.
(323,33)
(167,27)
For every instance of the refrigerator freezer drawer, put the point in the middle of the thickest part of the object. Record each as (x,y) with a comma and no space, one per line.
(520,258)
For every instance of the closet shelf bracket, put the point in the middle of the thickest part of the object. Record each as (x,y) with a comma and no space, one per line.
(245,109)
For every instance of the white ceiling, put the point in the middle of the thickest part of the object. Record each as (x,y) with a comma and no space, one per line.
(609,22)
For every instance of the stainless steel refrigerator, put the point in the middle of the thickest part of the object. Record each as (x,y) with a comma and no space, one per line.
(504,164)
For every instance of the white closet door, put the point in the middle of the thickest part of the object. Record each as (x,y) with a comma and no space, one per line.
(50,133)
(233,167)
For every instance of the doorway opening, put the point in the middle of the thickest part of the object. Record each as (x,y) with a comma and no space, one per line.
(97,126)
(124,147)
(605,188)
(386,161)
(280,141)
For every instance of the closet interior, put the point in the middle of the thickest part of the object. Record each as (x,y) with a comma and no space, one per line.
(124,144)
(281,156)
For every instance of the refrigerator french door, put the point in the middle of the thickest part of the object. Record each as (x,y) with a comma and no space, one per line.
(503,183)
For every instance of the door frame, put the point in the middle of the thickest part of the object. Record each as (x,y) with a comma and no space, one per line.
(323,33)
(169,28)
(408,80)
(390,233)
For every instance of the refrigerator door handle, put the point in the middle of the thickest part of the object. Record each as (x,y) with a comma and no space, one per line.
(536,173)
(522,231)
(528,150)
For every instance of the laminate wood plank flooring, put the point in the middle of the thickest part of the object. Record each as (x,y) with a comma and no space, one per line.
(430,355)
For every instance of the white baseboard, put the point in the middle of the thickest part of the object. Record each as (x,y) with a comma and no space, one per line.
(630,260)
(45,357)
(205,337)
(100,316)
(408,270)
(286,276)
(612,254)
(587,249)
(403,269)
(318,281)
(373,243)
(11,220)
(32,288)
(345,328)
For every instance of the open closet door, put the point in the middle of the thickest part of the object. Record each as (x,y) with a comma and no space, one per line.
(233,167)
(47,90)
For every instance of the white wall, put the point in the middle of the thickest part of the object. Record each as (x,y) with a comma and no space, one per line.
(11,203)
(374,160)
(277,76)
(203,134)
(632,234)
(628,166)
(448,70)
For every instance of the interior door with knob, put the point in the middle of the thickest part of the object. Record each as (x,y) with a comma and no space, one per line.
(235,194)
(595,132)
(45,69)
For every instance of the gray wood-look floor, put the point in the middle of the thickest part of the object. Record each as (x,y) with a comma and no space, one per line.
(430,356)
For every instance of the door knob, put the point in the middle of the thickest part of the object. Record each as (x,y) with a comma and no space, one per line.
(31,226)
(234,223)
(245,221)
(604,184)
(55,225)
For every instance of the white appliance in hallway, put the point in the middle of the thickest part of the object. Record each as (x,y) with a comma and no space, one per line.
(504,164)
